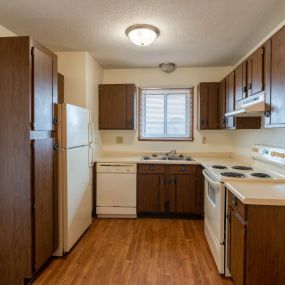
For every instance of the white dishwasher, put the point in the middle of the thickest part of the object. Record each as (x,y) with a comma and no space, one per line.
(116,190)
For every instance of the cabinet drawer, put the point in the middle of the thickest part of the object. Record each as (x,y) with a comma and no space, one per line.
(181,169)
(151,168)
(236,204)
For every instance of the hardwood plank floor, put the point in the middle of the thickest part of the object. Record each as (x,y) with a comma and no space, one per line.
(137,252)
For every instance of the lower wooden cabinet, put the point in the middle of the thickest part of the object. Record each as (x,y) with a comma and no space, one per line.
(168,189)
(255,243)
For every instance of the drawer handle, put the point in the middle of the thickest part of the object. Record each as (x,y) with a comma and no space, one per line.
(151,167)
(182,168)
(234,200)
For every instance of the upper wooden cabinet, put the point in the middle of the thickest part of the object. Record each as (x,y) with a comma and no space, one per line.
(230,99)
(209,101)
(117,107)
(255,72)
(241,81)
(28,81)
(275,80)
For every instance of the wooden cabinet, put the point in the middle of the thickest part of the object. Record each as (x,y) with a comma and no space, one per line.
(28,92)
(230,99)
(255,243)
(209,100)
(275,80)
(117,107)
(255,72)
(241,81)
(168,189)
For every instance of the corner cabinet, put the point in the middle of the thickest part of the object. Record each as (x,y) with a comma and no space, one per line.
(275,80)
(169,189)
(209,100)
(28,153)
(117,107)
(255,243)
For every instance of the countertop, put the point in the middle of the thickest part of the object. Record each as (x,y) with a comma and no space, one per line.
(258,193)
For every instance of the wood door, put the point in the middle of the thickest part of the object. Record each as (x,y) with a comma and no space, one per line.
(203,100)
(113,106)
(255,72)
(236,246)
(148,192)
(213,101)
(222,103)
(277,98)
(230,99)
(60,86)
(44,85)
(43,177)
(239,83)
(131,107)
(186,194)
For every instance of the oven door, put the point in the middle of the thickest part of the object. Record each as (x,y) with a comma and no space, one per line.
(215,206)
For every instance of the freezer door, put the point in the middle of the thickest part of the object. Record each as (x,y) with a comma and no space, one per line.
(77,195)
(76,126)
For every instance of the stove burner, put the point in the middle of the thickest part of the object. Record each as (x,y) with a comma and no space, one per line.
(238,167)
(261,175)
(219,167)
(233,174)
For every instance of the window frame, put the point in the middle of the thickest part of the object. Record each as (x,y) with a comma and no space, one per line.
(191,115)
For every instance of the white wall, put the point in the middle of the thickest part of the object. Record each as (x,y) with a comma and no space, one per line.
(216,140)
(5,32)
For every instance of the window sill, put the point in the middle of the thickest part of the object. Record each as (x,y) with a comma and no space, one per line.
(165,139)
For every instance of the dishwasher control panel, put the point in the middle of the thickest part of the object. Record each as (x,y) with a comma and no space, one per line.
(116,167)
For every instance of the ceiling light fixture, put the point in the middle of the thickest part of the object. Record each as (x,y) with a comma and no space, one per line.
(142,34)
(167,67)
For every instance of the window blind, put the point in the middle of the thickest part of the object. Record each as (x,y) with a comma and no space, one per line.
(166,114)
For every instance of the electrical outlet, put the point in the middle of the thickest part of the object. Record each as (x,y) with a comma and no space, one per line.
(119,140)
(204,140)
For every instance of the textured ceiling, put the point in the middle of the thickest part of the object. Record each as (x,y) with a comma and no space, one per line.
(193,32)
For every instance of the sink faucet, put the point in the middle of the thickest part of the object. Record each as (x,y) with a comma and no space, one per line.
(171,153)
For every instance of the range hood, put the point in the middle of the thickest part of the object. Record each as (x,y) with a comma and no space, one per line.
(251,106)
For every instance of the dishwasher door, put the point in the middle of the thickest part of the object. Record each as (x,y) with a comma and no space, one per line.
(116,190)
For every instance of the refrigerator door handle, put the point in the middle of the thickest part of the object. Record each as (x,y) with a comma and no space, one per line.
(90,132)
(90,157)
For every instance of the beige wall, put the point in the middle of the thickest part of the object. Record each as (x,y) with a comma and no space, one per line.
(5,32)
(216,140)
(82,74)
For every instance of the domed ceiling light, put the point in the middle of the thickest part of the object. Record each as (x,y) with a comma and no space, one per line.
(142,34)
(167,67)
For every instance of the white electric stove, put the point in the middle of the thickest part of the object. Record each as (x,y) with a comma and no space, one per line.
(215,194)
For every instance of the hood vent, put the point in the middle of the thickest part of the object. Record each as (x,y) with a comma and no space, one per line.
(251,106)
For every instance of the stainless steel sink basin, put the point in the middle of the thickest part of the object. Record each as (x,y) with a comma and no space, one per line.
(176,158)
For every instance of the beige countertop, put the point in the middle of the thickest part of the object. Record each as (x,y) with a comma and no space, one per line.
(258,193)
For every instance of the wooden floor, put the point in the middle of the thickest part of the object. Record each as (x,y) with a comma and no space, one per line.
(142,251)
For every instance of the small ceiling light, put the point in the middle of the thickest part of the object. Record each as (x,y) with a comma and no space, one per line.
(167,67)
(142,34)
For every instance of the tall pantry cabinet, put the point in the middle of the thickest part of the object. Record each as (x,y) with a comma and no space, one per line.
(28,91)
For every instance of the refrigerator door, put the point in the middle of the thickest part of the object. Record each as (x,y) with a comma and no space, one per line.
(77,195)
(75,126)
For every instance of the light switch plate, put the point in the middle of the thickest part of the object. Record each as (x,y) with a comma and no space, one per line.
(119,140)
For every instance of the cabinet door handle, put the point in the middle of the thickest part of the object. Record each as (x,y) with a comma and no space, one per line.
(173,181)
(151,167)
(234,200)
(54,121)
(267,113)
(161,181)
(183,168)
(243,89)
(55,146)
(249,86)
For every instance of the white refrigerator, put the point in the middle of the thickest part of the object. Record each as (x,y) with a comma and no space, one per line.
(75,161)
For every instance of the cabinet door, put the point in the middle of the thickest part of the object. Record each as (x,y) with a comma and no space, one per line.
(131,107)
(203,97)
(236,247)
(213,106)
(148,192)
(230,99)
(255,70)
(222,103)
(277,98)
(43,176)
(112,107)
(239,83)
(186,200)
(44,85)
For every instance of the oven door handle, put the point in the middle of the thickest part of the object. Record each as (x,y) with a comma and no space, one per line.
(211,181)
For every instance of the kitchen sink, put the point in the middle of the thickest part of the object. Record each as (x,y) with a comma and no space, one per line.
(176,158)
